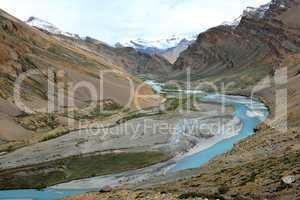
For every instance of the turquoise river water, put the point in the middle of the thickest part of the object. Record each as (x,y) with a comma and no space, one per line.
(250,112)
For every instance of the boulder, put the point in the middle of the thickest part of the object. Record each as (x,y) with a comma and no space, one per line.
(105,189)
(288,180)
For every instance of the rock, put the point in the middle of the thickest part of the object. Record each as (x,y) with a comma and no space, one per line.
(141,195)
(288,179)
(105,189)
(261,127)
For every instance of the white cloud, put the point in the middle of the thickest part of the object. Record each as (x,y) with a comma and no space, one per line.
(118,20)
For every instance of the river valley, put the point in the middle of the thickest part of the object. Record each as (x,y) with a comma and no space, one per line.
(247,112)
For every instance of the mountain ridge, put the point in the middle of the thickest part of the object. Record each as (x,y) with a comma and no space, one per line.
(130,59)
(49,27)
(169,48)
(260,42)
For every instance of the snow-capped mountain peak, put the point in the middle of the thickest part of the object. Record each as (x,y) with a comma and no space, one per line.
(42,24)
(250,12)
(257,12)
(161,44)
(47,26)
(170,48)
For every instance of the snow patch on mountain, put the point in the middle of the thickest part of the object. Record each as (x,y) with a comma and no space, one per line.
(47,26)
(234,23)
(162,44)
(257,12)
(250,12)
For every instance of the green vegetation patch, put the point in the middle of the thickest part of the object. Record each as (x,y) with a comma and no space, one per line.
(186,103)
(102,109)
(170,87)
(138,114)
(39,122)
(27,63)
(6,86)
(57,132)
(76,167)
(172,104)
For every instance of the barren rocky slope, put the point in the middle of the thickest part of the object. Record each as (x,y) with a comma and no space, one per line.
(172,54)
(248,52)
(25,49)
(128,58)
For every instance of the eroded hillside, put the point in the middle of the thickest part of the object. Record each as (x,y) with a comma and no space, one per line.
(248,52)
(74,70)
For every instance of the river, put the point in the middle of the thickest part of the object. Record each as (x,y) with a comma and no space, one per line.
(251,112)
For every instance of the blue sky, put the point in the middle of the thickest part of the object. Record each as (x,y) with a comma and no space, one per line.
(119,20)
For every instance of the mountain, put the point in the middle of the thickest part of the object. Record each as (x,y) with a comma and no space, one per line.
(128,58)
(133,61)
(251,12)
(171,54)
(169,48)
(25,49)
(258,44)
(233,23)
(47,26)
(259,12)
(162,44)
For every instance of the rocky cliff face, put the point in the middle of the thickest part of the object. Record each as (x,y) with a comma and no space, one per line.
(142,63)
(262,39)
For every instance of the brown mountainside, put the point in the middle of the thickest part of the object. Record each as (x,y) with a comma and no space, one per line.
(248,52)
(128,58)
(23,48)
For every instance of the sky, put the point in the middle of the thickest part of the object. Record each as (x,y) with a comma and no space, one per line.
(114,21)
